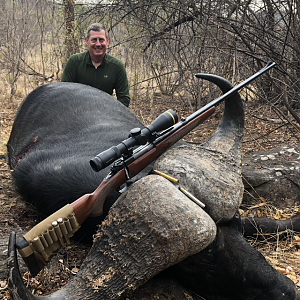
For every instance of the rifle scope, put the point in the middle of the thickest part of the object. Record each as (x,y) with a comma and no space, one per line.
(137,137)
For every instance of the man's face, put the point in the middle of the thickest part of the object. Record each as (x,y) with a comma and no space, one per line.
(97,43)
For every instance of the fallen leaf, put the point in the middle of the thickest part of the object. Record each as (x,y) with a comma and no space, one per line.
(281,270)
(75,270)
(3,284)
(280,216)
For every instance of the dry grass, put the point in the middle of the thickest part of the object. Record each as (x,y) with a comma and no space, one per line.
(281,249)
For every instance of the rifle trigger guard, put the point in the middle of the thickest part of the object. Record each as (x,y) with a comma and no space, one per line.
(121,191)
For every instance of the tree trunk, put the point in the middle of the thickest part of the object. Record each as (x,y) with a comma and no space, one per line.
(69,15)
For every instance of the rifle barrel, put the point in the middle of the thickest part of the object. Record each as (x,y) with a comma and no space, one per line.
(215,102)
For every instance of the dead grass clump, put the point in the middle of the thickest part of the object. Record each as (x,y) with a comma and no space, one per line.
(281,249)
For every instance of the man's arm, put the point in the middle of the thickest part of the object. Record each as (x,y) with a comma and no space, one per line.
(122,88)
(69,73)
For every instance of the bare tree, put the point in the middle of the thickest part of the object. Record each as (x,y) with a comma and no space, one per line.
(70,37)
(164,43)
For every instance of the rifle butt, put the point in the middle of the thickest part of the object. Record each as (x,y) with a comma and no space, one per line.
(32,262)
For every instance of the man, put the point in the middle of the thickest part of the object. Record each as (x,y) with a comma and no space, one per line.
(97,68)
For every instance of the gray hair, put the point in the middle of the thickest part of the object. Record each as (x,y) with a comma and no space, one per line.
(96,27)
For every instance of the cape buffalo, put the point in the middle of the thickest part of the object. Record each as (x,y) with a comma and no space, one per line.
(152,226)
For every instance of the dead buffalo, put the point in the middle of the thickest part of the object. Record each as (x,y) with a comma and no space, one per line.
(152,226)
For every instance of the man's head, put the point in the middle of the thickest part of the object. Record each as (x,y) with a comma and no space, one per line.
(96,27)
(97,41)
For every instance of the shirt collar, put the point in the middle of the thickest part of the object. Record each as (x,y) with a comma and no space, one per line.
(89,60)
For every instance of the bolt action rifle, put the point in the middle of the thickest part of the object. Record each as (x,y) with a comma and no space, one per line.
(129,158)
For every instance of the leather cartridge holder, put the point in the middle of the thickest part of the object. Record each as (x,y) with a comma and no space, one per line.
(48,236)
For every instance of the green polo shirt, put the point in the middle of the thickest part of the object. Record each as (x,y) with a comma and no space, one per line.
(110,75)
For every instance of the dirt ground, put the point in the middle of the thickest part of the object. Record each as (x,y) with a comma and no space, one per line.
(263,130)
